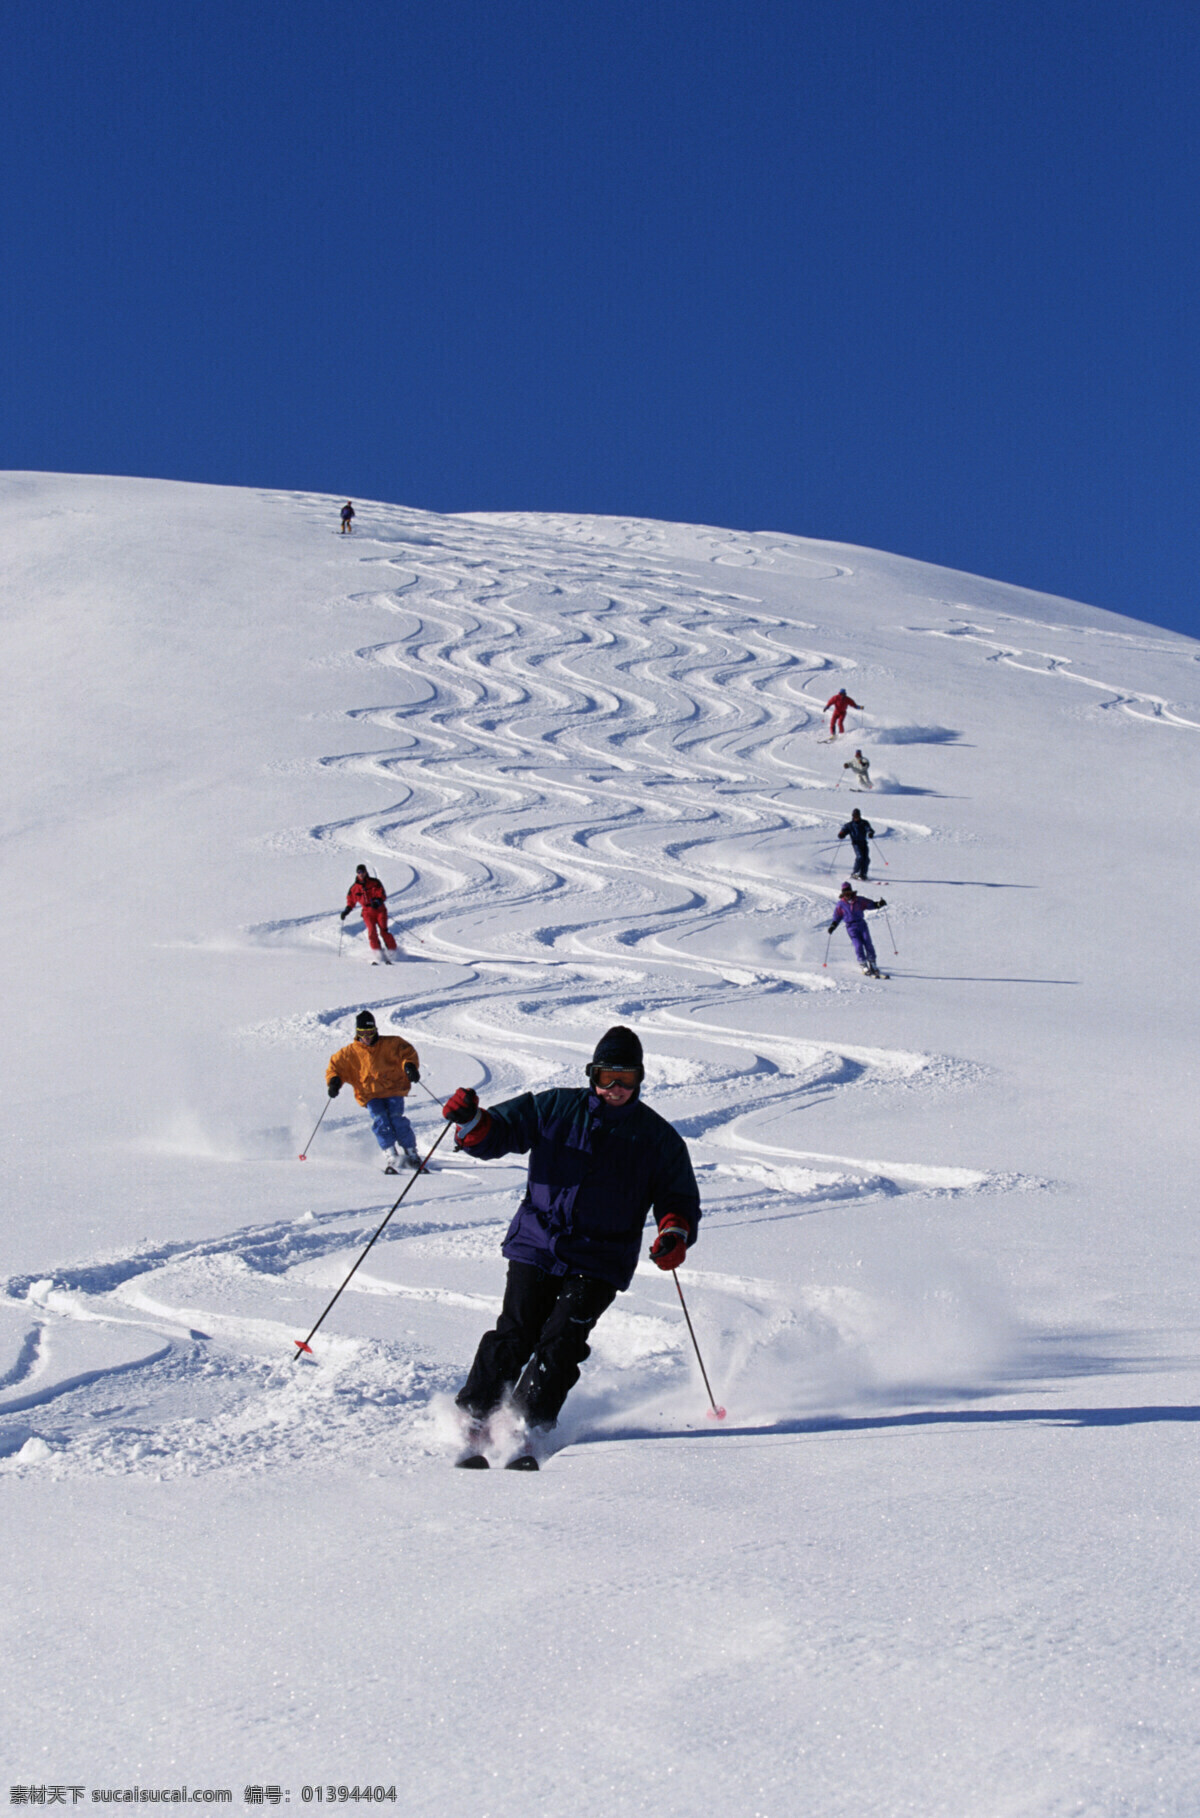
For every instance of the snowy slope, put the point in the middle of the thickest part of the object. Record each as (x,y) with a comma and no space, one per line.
(940,1558)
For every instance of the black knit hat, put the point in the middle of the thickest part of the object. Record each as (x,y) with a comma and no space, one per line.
(364,1020)
(618,1047)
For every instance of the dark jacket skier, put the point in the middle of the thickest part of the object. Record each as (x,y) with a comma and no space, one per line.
(347,517)
(858,832)
(599,1161)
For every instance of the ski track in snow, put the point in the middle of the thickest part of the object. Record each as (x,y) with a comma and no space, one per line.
(605,804)
(1135,702)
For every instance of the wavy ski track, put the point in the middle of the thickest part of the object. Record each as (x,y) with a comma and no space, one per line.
(1137,703)
(633,741)
(600,810)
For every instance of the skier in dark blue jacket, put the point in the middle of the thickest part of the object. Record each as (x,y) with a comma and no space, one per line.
(859,832)
(599,1161)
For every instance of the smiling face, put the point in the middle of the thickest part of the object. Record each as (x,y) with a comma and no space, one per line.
(615,1085)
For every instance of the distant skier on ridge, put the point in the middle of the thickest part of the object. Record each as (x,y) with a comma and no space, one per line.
(599,1161)
(347,517)
(383,1070)
(368,894)
(852,909)
(858,832)
(839,702)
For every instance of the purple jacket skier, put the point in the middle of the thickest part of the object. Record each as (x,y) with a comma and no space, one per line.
(852,909)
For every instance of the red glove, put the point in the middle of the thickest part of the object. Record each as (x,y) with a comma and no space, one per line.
(670,1246)
(473,1121)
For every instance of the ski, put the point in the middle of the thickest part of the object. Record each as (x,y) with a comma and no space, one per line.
(476,1435)
(478,1439)
(475,1461)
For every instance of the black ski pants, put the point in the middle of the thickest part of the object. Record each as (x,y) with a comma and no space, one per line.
(539,1342)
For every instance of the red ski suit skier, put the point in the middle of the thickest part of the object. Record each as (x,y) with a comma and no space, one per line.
(839,702)
(369,894)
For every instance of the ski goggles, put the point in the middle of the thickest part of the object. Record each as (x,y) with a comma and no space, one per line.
(614,1076)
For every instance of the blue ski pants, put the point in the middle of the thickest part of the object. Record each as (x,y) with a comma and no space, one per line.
(860,940)
(389,1123)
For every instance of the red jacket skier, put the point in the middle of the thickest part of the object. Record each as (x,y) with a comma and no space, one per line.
(839,702)
(368,894)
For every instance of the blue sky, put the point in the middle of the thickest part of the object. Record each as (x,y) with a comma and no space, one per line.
(909,274)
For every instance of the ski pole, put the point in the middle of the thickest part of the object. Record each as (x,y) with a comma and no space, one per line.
(305,1344)
(316,1127)
(887,918)
(714,1412)
(341,938)
(878,854)
(825,961)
